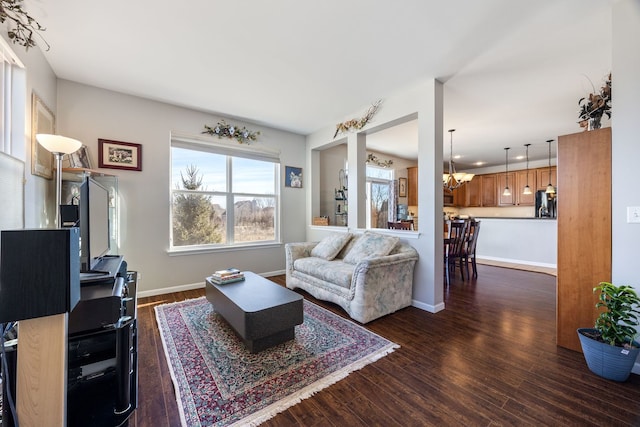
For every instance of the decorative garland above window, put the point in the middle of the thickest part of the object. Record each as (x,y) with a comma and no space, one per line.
(371,158)
(356,124)
(223,130)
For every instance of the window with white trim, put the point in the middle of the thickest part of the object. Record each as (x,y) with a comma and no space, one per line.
(379,192)
(223,195)
(12,108)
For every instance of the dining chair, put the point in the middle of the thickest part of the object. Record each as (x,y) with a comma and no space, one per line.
(401,225)
(454,246)
(470,248)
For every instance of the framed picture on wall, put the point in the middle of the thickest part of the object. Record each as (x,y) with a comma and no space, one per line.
(119,155)
(80,158)
(42,121)
(292,177)
(402,187)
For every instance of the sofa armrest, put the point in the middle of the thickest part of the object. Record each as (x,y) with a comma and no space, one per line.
(382,285)
(299,250)
(296,250)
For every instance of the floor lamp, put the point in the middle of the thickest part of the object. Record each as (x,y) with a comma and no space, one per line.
(59,146)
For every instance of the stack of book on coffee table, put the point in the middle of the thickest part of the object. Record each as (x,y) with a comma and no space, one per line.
(229,275)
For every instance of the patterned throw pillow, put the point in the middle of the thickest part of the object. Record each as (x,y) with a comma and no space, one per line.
(370,245)
(329,247)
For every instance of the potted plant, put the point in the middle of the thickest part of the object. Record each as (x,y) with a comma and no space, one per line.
(594,106)
(609,348)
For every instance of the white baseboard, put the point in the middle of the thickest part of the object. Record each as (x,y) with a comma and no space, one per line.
(427,307)
(517,261)
(190,286)
(162,291)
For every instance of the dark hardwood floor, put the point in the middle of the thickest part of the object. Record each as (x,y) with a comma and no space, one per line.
(489,359)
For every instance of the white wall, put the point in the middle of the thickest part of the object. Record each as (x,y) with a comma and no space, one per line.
(39,192)
(424,101)
(88,113)
(626,137)
(625,147)
(521,241)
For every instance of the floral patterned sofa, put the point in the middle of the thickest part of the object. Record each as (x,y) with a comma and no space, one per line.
(369,275)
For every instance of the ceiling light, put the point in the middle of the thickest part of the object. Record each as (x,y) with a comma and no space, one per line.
(527,189)
(453,179)
(550,189)
(506,191)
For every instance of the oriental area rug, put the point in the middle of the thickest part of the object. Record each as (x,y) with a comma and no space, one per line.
(219,383)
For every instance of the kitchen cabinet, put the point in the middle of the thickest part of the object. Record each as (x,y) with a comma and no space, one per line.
(517,182)
(412,186)
(504,180)
(460,195)
(473,192)
(544,179)
(522,178)
(489,190)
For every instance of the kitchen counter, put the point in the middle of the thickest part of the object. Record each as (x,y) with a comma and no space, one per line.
(515,217)
(531,241)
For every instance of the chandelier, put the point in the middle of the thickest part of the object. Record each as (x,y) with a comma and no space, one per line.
(453,179)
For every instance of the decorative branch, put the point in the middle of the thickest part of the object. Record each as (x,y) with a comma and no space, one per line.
(371,158)
(356,124)
(25,25)
(596,104)
(223,130)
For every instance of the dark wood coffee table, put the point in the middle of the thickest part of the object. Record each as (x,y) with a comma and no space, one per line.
(263,313)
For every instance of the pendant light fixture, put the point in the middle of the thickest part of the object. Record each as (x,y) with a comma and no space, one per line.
(550,189)
(453,179)
(506,191)
(527,189)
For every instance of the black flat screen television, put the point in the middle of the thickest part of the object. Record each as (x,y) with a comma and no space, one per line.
(94,224)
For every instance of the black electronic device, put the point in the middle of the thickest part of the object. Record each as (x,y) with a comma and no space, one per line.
(39,273)
(94,224)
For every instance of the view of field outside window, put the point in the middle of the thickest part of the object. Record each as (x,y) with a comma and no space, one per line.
(378,192)
(204,184)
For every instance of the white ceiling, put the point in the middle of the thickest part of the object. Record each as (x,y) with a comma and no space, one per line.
(513,70)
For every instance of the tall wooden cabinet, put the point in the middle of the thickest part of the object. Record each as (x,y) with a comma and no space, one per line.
(412,186)
(584,229)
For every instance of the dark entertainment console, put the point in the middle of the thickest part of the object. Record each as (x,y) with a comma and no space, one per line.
(102,357)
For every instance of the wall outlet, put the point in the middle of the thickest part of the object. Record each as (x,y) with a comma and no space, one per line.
(633,214)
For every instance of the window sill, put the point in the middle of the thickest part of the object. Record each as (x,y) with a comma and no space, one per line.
(208,250)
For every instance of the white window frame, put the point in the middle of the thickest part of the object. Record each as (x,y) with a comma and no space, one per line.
(230,150)
(14,97)
(371,180)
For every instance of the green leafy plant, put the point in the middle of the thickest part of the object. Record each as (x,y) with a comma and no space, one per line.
(617,322)
(24,25)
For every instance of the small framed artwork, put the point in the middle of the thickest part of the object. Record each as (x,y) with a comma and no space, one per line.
(119,155)
(402,187)
(42,121)
(292,177)
(80,158)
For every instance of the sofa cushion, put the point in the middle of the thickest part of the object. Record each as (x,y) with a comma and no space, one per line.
(336,272)
(370,245)
(329,247)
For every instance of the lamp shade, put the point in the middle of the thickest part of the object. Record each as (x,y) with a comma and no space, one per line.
(58,143)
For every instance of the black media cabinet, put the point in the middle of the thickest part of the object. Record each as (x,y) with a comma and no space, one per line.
(102,362)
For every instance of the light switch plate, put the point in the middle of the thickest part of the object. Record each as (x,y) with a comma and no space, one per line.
(633,214)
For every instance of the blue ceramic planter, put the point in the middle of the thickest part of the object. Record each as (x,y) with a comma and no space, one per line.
(610,362)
